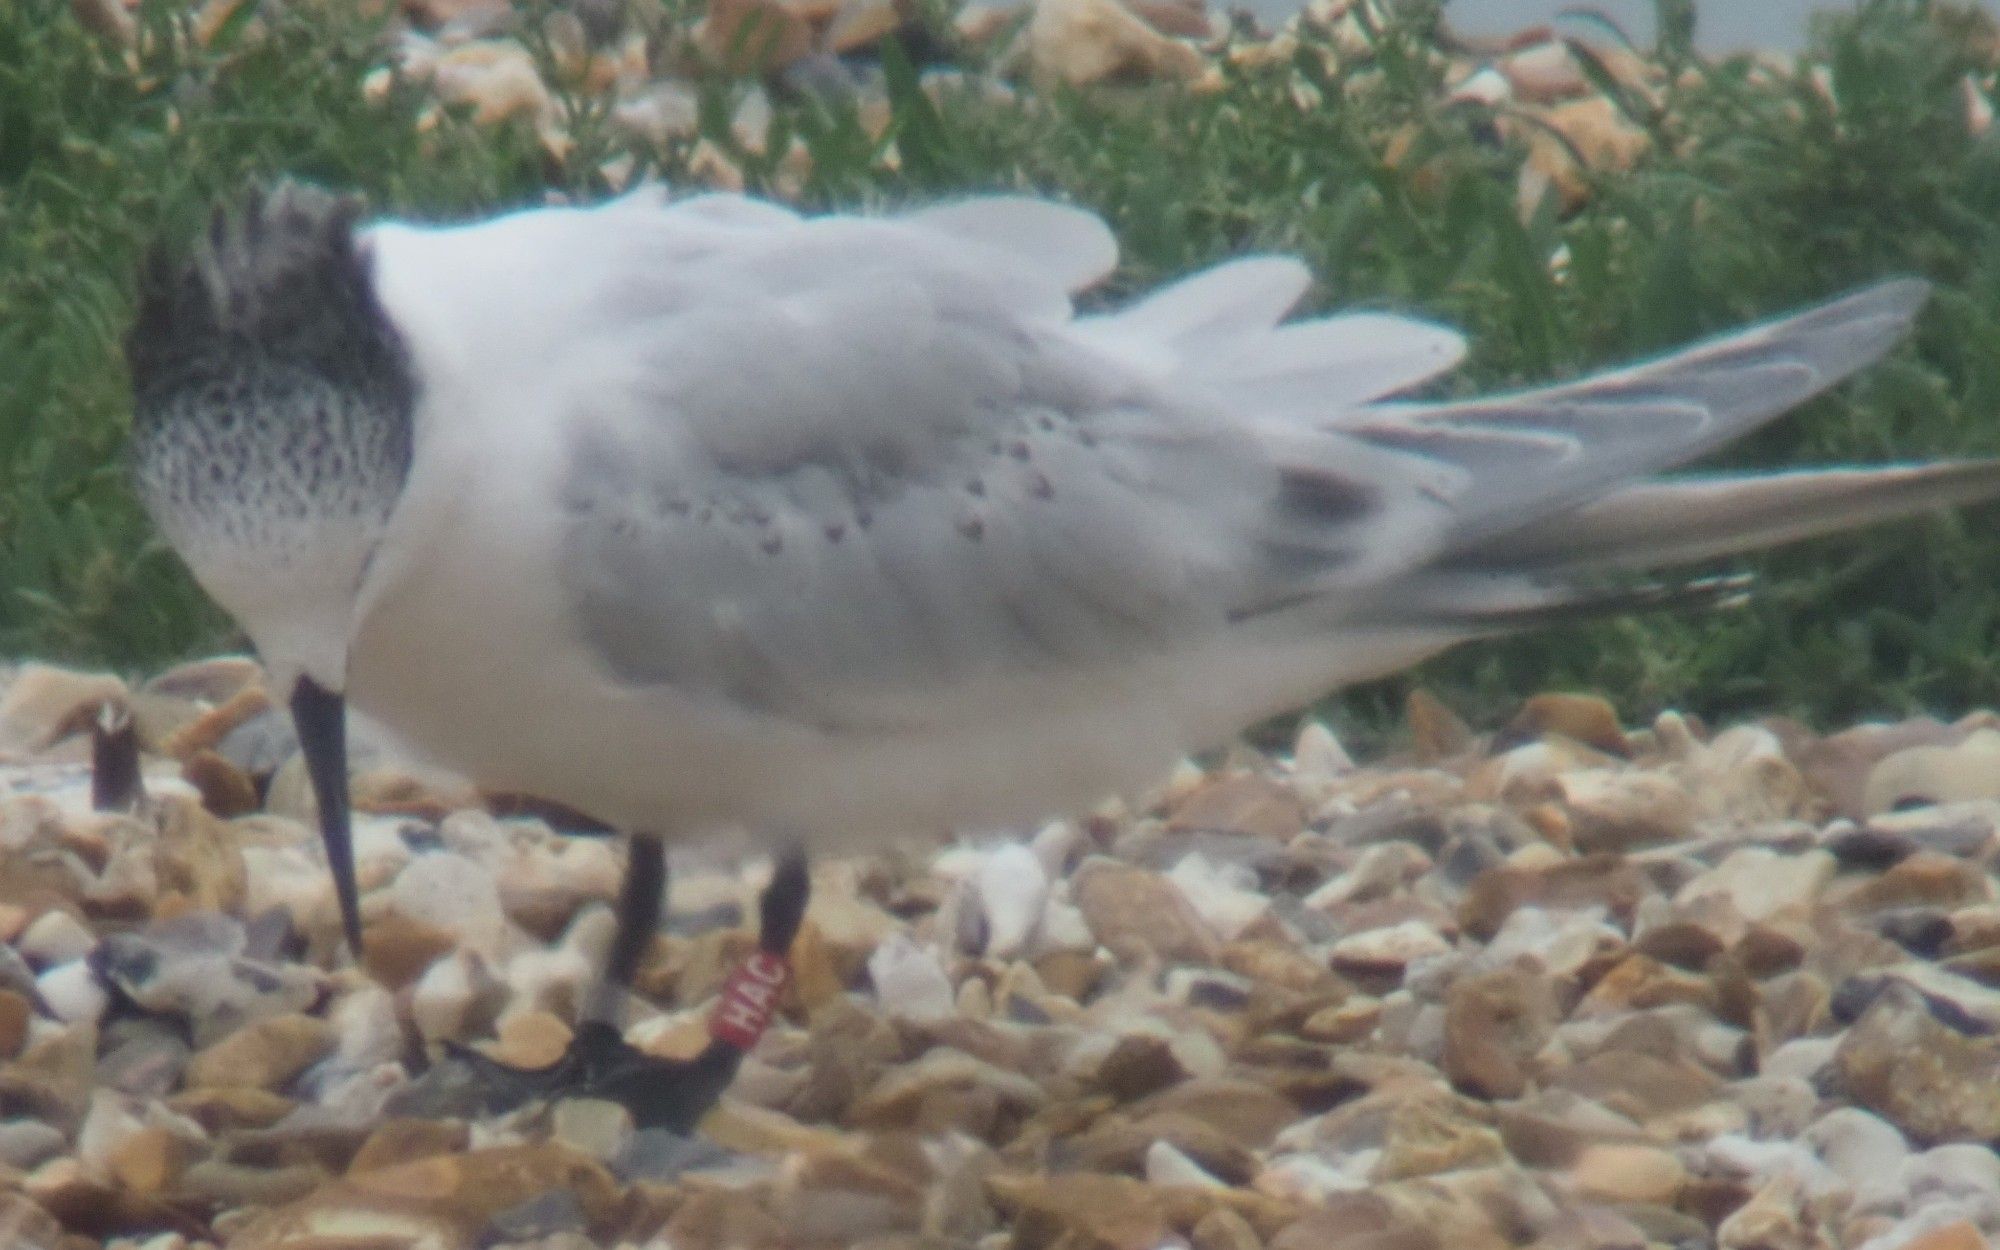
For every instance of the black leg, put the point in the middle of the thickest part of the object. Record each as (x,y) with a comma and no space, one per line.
(783,907)
(664,1093)
(639,902)
(115,784)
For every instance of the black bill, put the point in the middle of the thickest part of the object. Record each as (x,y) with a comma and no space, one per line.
(320,715)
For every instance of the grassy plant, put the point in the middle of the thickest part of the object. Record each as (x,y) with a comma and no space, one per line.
(1760,194)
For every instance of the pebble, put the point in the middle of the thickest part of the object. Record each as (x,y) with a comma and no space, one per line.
(1933,1083)
(1760,884)
(1387,951)
(909,981)
(1223,895)
(1126,907)
(57,937)
(1494,1026)
(1931,775)
(456,997)
(1567,984)
(1240,804)
(1080,42)
(27,1144)
(451,892)
(1317,755)
(264,1054)
(73,993)
(1617,1172)
(1012,887)
(40,703)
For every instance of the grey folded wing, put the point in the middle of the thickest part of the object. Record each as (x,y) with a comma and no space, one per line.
(832,505)
(873,464)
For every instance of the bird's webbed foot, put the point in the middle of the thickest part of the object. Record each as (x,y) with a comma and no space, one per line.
(672,1094)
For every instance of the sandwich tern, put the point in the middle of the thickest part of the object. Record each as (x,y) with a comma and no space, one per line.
(697,512)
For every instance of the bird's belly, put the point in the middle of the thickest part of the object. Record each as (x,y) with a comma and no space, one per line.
(514,701)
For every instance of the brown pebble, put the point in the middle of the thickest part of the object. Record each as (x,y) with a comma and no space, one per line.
(264,1054)
(1126,906)
(1118,1144)
(530,1039)
(1957,1235)
(1606,880)
(1223,1229)
(1101,1212)
(1436,732)
(399,949)
(1138,1066)
(1620,1172)
(15,1013)
(1242,803)
(1586,718)
(402,1140)
(222,1110)
(150,1160)
(207,731)
(226,790)
(1932,1082)
(1246,1112)
(1493,1025)
(1927,878)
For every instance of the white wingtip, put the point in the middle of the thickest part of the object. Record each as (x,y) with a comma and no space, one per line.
(1071,245)
(1242,296)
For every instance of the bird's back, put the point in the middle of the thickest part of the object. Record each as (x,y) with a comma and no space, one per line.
(722,514)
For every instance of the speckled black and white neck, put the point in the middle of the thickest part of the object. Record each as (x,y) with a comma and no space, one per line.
(272,397)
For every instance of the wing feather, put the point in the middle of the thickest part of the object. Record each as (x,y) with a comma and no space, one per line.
(827,468)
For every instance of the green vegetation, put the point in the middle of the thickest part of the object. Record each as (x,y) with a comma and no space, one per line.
(1758,194)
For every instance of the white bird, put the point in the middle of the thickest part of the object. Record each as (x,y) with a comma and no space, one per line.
(701,512)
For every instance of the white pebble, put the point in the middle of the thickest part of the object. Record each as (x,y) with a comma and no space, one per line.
(473,834)
(56,937)
(1764,1161)
(1318,755)
(1802,1057)
(1862,1147)
(909,981)
(549,980)
(112,1118)
(1166,1164)
(1223,895)
(1489,87)
(365,1022)
(73,992)
(444,997)
(1312,1179)
(1397,944)
(456,894)
(1956,1170)
(594,1126)
(1059,842)
(1012,888)
(1065,929)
